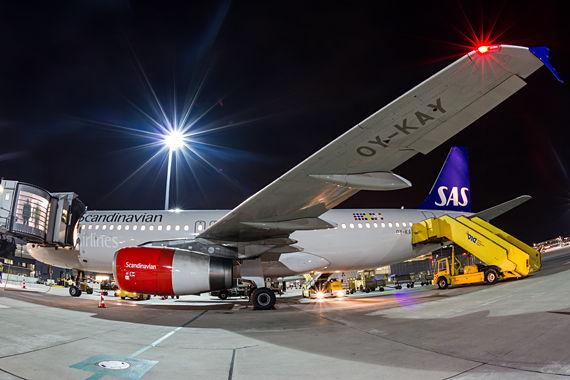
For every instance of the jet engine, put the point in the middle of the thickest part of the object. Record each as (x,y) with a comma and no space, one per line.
(167,271)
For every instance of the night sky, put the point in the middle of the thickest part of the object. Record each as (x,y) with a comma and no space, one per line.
(270,83)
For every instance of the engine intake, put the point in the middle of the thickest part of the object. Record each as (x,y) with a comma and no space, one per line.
(166,271)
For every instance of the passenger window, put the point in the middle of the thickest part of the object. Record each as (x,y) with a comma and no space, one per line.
(118,227)
(104,226)
(160,227)
(177,228)
(96,226)
(404,224)
(383,225)
(135,227)
(343,225)
(199,226)
(397,224)
(83,227)
(143,227)
(390,224)
(168,227)
(127,227)
(375,225)
(186,227)
(151,227)
(367,225)
(111,226)
(351,225)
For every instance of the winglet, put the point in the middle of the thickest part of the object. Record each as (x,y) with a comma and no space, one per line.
(541,53)
(451,189)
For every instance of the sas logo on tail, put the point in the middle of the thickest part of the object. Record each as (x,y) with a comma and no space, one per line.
(453,196)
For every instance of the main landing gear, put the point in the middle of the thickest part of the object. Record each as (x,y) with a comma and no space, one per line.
(262,299)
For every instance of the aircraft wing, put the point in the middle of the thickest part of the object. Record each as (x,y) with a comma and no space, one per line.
(363,157)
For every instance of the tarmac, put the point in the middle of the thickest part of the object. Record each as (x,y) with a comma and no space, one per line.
(514,329)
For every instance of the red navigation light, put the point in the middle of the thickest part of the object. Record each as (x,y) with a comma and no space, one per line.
(487,48)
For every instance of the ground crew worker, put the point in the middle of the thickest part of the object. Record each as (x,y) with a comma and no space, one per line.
(1,270)
(26,212)
(37,214)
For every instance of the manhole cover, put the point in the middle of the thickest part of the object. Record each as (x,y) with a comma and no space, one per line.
(113,364)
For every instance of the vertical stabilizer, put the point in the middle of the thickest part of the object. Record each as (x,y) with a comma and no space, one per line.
(451,191)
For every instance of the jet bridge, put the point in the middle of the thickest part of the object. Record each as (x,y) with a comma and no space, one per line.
(34,215)
(486,242)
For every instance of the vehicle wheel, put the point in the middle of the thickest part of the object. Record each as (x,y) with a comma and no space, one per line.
(407,285)
(223,295)
(105,293)
(412,285)
(442,282)
(140,297)
(381,289)
(491,276)
(74,291)
(123,298)
(367,291)
(263,299)
(352,291)
(177,297)
(89,291)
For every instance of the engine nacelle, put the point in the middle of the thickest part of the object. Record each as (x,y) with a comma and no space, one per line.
(167,271)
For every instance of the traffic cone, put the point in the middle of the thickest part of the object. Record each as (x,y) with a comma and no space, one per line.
(102,301)
(23,282)
(162,298)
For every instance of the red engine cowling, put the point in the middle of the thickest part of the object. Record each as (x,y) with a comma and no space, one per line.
(166,271)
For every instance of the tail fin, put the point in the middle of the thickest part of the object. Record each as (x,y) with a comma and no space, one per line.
(451,191)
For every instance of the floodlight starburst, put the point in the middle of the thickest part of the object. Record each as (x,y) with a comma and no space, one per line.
(174,140)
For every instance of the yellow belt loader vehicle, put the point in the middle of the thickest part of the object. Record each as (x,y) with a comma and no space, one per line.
(504,256)
(321,289)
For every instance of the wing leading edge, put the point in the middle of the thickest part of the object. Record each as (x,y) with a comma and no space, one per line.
(363,157)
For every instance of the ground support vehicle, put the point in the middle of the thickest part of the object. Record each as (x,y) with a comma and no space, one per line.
(242,289)
(330,288)
(366,281)
(135,296)
(425,278)
(504,256)
(107,286)
(399,279)
(86,287)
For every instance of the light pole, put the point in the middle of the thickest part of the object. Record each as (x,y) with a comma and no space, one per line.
(173,141)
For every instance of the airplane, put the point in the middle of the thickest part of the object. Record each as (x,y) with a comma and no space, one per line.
(291,227)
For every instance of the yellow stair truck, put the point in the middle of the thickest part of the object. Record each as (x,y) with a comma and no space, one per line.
(504,256)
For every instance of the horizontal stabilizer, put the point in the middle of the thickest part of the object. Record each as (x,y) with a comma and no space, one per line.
(499,210)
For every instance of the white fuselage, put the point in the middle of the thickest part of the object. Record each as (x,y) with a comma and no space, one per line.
(358,242)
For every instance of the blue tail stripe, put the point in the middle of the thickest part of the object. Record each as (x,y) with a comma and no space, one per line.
(451,191)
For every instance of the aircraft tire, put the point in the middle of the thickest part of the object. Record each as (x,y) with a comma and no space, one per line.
(442,283)
(491,276)
(263,299)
